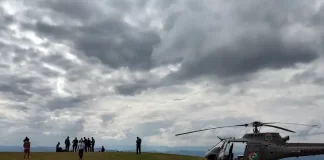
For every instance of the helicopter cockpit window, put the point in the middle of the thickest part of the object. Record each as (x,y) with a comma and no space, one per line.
(237,150)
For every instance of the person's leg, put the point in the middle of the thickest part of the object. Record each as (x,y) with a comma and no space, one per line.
(136,149)
(80,153)
(81,156)
(139,148)
(28,152)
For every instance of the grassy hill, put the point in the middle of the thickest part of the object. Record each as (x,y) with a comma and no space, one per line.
(95,156)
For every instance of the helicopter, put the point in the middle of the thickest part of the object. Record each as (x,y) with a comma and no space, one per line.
(261,146)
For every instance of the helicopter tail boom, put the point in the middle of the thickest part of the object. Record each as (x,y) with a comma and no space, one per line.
(301,149)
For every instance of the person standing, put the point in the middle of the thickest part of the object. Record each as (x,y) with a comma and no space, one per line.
(81,147)
(88,144)
(102,149)
(75,144)
(138,145)
(85,143)
(92,144)
(26,148)
(67,144)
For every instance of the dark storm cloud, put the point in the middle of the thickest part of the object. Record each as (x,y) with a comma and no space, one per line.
(58,103)
(239,44)
(117,44)
(80,10)
(108,38)
(248,55)
(259,45)
(137,87)
(131,89)
(228,46)
(9,88)
(111,41)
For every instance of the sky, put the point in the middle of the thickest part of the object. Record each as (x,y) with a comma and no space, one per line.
(118,69)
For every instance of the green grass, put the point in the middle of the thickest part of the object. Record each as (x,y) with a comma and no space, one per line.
(95,156)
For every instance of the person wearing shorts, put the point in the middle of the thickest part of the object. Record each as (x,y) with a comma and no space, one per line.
(26,148)
(81,146)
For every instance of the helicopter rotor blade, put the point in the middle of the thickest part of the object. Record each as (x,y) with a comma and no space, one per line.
(269,123)
(241,125)
(309,125)
(279,128)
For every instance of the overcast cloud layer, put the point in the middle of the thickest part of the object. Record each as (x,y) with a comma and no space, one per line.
(118,69)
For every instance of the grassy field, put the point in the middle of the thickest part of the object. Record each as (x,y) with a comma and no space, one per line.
(95,156)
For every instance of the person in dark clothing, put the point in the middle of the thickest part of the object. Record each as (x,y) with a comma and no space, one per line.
(93,142)
(75,144)
(102,149)
(26,138)
(58,148)
(85,144)
(89,144)
(26,148)
(67,144)
(138,145)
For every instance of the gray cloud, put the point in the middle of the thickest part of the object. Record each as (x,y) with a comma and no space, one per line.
(240,44)
(111,40)
(82,68)
(150,128)
(107,119)
(308,76)
(66,102)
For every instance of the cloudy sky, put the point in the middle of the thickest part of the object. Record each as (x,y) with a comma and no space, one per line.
(117,69)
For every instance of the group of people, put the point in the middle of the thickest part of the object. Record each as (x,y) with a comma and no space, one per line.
(82,145)
(88,144)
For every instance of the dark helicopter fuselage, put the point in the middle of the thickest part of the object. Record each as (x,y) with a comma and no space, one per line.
(263,146)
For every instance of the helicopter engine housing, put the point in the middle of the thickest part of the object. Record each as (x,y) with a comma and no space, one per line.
(286,138)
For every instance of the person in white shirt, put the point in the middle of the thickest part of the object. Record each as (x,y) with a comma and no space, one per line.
(81,146)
